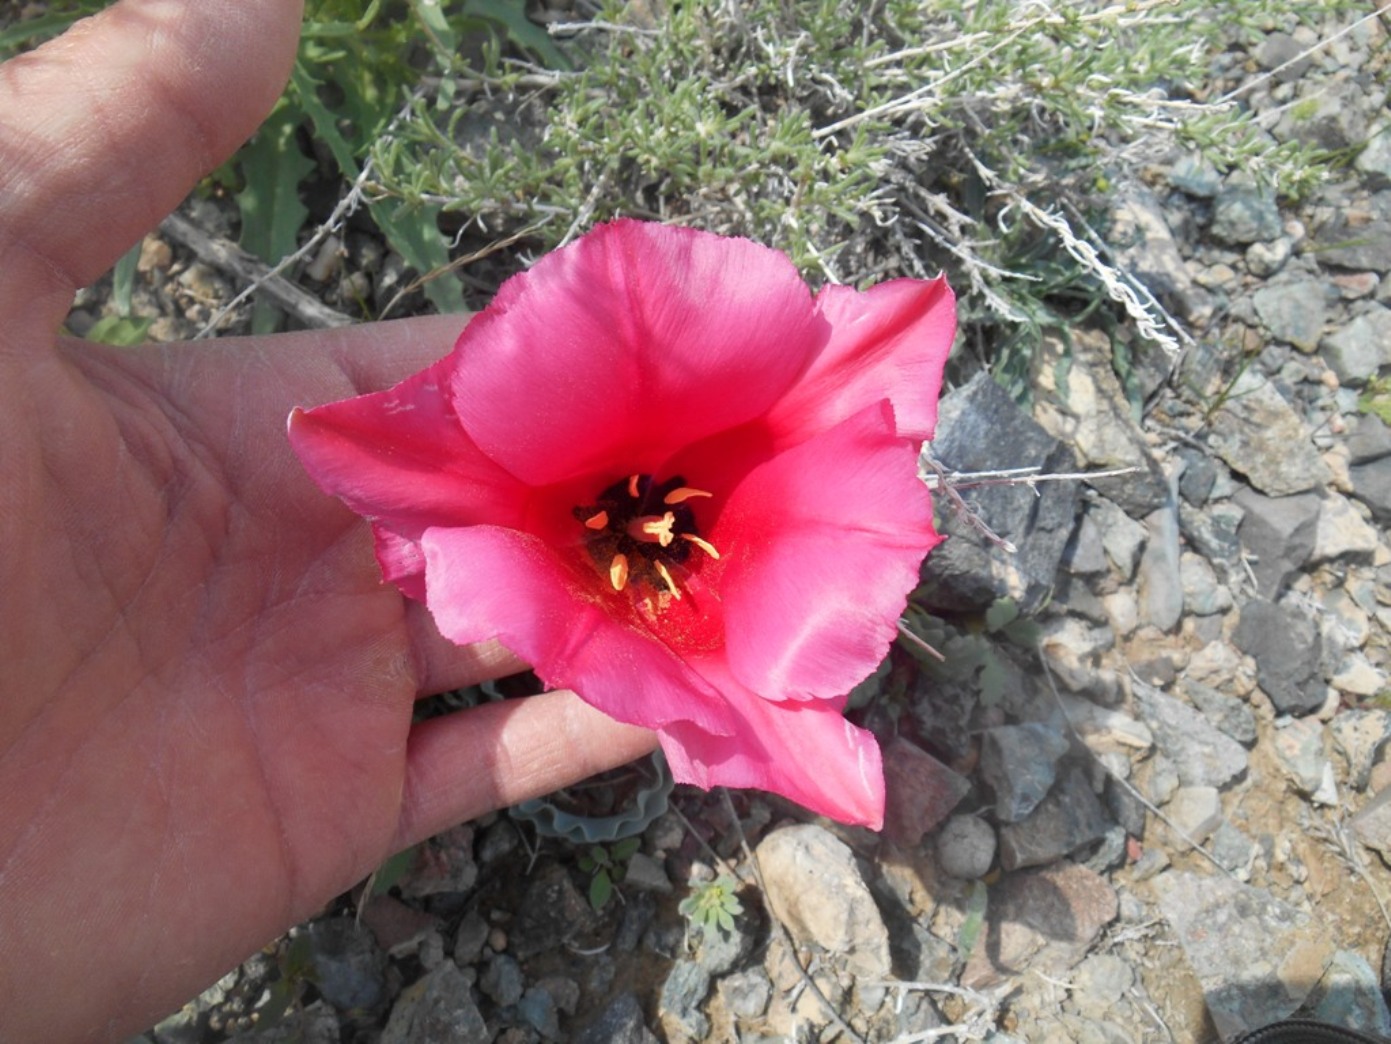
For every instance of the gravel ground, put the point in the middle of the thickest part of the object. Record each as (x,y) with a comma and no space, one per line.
(1170,834)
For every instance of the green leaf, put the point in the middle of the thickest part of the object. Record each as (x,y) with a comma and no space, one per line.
(1001,612)
(600,890)
(392,871)
(975,919)
(271,212)
(413,232)
(120,330)
(511,15)
(123,280)
(626,849)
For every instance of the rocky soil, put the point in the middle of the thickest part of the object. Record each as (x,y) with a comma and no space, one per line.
(1153,816)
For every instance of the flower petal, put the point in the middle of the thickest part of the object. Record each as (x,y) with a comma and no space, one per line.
(401,456)
(628,344)
(822,546)
(807,752)
(890,341)
(487,582)
(401,560)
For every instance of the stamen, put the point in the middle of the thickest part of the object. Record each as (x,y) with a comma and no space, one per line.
(704,545)
(633,486)
(681,494)
(666,578)
(651,529)
(618,572)
(597,521)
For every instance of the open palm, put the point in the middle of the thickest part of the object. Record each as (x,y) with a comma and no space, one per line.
(205,689)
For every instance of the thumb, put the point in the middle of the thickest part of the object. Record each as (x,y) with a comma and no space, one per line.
(105,129)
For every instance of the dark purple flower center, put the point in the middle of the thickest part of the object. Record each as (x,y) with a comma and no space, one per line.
(639,529)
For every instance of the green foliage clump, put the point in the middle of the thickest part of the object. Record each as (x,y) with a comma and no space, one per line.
(606,867)
(712,906)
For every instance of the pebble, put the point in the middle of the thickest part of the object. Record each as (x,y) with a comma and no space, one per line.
(815,887)
(965,847)
(1286,646)
(1294,311)
(1201,754)
(1019,764)
(438,1006)
(1068,818)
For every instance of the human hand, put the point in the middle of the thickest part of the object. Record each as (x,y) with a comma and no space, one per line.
(205,689)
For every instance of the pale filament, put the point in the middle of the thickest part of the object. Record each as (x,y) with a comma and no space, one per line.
(704,545)
(618,572)
(633,486)
(653,530)
(684,493)
(666,578)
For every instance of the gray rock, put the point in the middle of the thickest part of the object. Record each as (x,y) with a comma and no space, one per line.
(1280,534)
(439,1006)
(1100,983)
(1368,439)
(1243,215)
(1258,433)
(502,980)
(814,886)
(1197,811)
(1019,764)
(1374,161)
(469,939)
(1145,247)
(719,950)
(1212,532)
(1201,754)
(1342,532)
(1068,818)
(1349,995)
(444,863)
(1229,714)
(1255,957)
(537,1008)
(1360,735)
(1232,849)
(1293,312)
(1371,484)
(1330,115)
(1372,823)
(316,1024)
(685,990)
(1084,555)
(1299,748)
(980,428)
(746,993)
(1282,52)
(621,1023)
(1203,593)
(551,913)
(1357,351)
(965,847)
(1286,646)
(1122,537)
(349,968)
(1365,248)
(1042,921)
(646,873)
(1161,583)
(1194,175)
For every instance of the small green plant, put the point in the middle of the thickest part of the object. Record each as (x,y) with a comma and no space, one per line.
(713,905)
(1376,399)
(607,866)
(969,651)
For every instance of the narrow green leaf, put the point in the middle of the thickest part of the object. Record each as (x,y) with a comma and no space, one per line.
(511,15)
(271,212)
(975,919)
(120,330)
(600,890)
(123,280)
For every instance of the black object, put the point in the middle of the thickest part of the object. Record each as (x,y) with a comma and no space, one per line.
(1308,1031)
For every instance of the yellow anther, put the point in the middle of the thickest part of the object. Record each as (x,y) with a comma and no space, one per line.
(633,486)
(618,572)
(681,494)
(666,578)
(704,545)
(597,521)
(651,529)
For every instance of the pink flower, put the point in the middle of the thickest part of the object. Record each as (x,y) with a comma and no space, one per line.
(660,471)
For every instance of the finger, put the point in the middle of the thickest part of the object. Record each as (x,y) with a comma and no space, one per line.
(441,665)
(105,129)
(463,765)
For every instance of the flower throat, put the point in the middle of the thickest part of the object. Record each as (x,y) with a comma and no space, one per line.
(639,529)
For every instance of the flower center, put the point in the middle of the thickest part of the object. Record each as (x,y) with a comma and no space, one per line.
(643,530)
